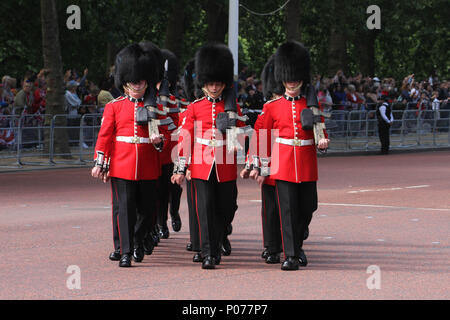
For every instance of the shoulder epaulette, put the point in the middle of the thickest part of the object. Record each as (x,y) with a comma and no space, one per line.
(117,99)
(198,100)
(270,101)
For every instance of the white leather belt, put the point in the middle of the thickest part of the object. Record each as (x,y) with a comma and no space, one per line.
(211,142)
(295,142)
(132,139)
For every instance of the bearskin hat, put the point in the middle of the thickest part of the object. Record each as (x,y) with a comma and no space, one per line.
(154,50)
(138,62)
(292,62)
(172,72)
(189,80)
(270,85)
(214,63)
(190,88)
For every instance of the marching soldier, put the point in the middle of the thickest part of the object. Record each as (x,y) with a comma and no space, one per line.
(293,162)
(167,191)
(191,94)
(127,152)
(213,169)
(269,210)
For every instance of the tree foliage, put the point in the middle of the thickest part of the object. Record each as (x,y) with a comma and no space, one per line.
(413,36)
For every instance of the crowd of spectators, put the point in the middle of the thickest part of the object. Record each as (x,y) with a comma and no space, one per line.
(28,98)
(340,92)
(360,93)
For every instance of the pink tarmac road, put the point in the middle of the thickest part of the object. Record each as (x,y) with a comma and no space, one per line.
(391,212)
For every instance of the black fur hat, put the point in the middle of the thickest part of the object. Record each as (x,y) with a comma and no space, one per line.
(172,73)
(189,80)
(214,62)
(270,85)
(138,62)
(292,62)
(155,51)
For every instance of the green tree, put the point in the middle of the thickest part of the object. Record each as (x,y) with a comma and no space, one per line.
(53,63)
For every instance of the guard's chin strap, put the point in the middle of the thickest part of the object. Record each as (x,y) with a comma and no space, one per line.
(128,89)
(296,88)
(208,94)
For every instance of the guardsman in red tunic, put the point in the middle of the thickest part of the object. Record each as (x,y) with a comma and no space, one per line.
(166,190)
(126,149)
(269,210)
(293,162)
(191,93)
(213,169)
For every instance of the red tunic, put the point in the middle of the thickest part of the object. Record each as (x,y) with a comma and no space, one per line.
(200,119)
(288,162)
(130,161)
(175,136)
(254,146)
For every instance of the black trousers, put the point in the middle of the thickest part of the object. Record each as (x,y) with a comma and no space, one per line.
(168,193)
(194,230)
(175,192)
(270,219)
(297,202)
(115,213)
(383,132)
(216,205)
(163,194)
(136,208)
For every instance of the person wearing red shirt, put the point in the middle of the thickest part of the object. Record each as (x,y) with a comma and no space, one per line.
(213,169)
(39,97)
(125,152)
(353,98)
(293,162)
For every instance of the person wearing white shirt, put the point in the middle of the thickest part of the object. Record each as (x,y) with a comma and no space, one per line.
(436,104)
(73,103)
(385,120)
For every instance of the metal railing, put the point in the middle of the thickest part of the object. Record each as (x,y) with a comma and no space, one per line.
(31,139)
(411,129)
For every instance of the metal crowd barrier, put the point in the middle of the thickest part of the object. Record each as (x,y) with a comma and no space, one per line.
(31,139)
(34,137)
(411,129)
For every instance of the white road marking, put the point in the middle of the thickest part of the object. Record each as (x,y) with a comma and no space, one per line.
(255,200)
(328,238)
(380,240)
(381,206)
(389,189)
(414,220)
(436,242)
(415,187)
(369,217)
